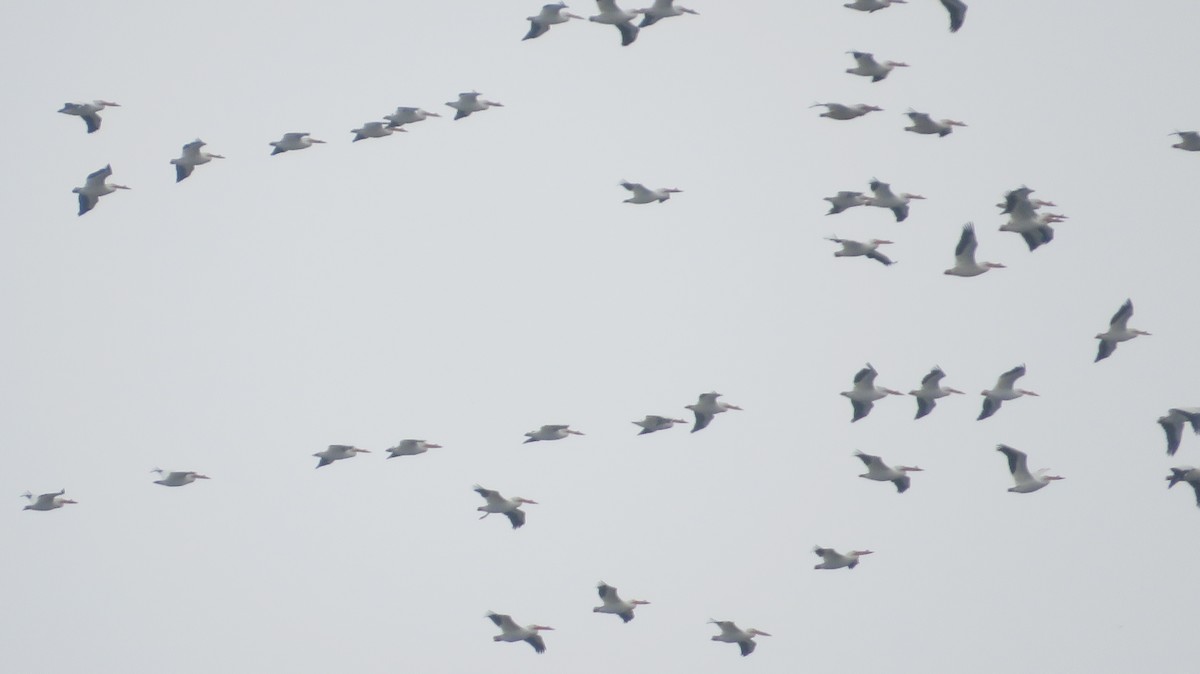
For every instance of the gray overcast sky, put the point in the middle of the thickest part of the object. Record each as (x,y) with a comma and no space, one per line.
(469,281)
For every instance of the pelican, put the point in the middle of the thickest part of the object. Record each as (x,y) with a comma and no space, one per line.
(177,478)
(511,631)
(844,112)
(94,188)
(645,195)
(706,408)
(375,130)
(844,200)
(924,124)
(411,448)
(869,67)
(865,393)
(964,256)
(1025,220)
(881,472)
(337,453)
(615,16)
(870,249)
(1017,465)
(885,198)
(550,432)
(509,507)
(836,560)
(1117,332)
(89,112)
(614,604)
(192,157)
(653,423)
(1186,474)
(1004,391)
(662,9)
(732,634)
(1173,423)
(293,141)
(1188,140)
(550,15)
(404,116)
(958,13)
(873,5)
(931,389)
(47,501)
(471,102)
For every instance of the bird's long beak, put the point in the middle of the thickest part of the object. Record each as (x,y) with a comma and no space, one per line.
(1029,393)
(525,500)
(111,104)
(679,421)
(571,16)
(953,390)
(1048,477)
(202,477)
(432,114)
(542,627)
(762,633)
(364,451)
(316,141)
(732,407)
(574,432)
(216,156)
(120,187)
(432,446)
(912,469)
(67,500)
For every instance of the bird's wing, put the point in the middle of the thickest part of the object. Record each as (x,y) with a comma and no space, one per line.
(626,616)
(1016,463)
(865,378)
(1105,350)
(901,212)
(931,380)
(902,483)
(990,405)
(1036,237)
(93,122)
(702,420)
(1121,318)
(958,13)
(861,409)
(881,190)
(96,178)
(876,255)
(294,136)
(536,29)
(865,59)
(183,170)
(919,117)
(868,459)
(1008,379)
(1174,430)
(539,644)
(967,243)
(747,646)
(517,517)
(555,427)
(192,149)
(925,406)
(1196,486)
(504,622)
(629,33)
(86,203)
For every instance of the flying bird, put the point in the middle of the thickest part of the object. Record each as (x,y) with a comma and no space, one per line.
(47,501)
(869,67)
(881,472)
(293,141)
(843,112)
(931,389)
(192,157)
(411,448)
(845,200)
(964,256)
(869,249)
(615,16)
(885,198)
(511,631)
(1003,391)
(177,478)
(1188,140)
(958,13)
(1186,474)
(550,432)
(836,560)
(706,408)
(662,9)
(404,115)
(645,195)
(550,15)
(89,112)
(94,188)
(1025,220)
(873,5)
(924,124)
(865,393)
(471,102)
(375,130)
(1172,423)
(1117,332)
(337,453)
(614,604)
(509,507)
(653,423)
(1024,481)
(732,634)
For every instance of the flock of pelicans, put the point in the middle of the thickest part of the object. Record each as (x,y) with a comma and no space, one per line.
(1024,219)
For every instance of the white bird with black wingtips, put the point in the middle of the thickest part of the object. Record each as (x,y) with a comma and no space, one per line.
(865,392)
(338,453)
(958,13)
(732,634)
(923,124)
(406,115)
(614,604)
(881,472)
(654,423)
(869,249)
(706,408)
(1118,331)
(612,15)
(410,448)
(873,5)
(1173,422)
(550,432)
(869,67)
(512,632)
(964,256)
(645,195)
(1025,482)
(290,142)
(470,102)
(89,112)
(832,559)
(192,157)
(551,15)
(1004,390)
(931,389)
(845,200)
(842,112)
(49,501)
(1188,140)
(1186,474)
(95,187)
(177,478)
(509,507)
(662,9)
(883,197)
(376,130)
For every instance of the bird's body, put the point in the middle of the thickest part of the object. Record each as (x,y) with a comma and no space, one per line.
(551,15)
(706,408)
(1025,482)
(612,15)
(869,67)
(653,423)
(1188,140)
(375,130)
(873,5)
(512,632)
(1173,422)
(964,256)
(1024,219)
(497,504)
(924,124)
(732,634)
(832,559)
(869,249)
(177,478)
(410,448)
(958,13)
(49,501)
(614,604)
(1186,474)
(89,112)
(662,9)
(645,195)
(1117,332)
(845,200)
(865,393)
(550,432)
(95,187)
(192,157)
(931,389)
(881,472)
(293,141)
(843,112)
(337,453)
(470,102)
(883,197)
(404,116)
(1003,391)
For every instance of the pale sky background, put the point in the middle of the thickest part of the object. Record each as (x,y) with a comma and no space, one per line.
(469,281)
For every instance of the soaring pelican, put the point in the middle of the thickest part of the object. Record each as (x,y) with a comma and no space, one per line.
(177,478)
(94,188)
(836,560)
(844,200)
(885,198)
(550,15)
(924,124)
(614,604)
(958,13)
(469,102)
(293,141)
(1024,219)
(509,507)
(873,5)
(89,112)
(511,631)
(375,130)
(1186,474)
(1188,140)
(653,423)
(865,393)
(337,453)
(706,408)
(869,67)
(550,432)
(732,634)
(47,501)
(851,248)
(964,255)
(645,195)
(404,116)
(411,448)
(662,9)
(1024,481)
(192,157)
(1173,423)
(1117,332)
(844,112)
(615,16)
(881,472)
(931,389)
(1004,391)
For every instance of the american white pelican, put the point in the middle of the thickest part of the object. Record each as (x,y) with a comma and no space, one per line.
(873,5)
(836,560)
(511,631)
(550,432)
(615,16)
(89,112)
(404,116)
(1024,219)
(192,157)
(1117,332)
(614,604)
(924,124)
(47,501)
(1173,423)
(550,15)
(865,393)
(885,198)
(337,453)
(706,408)
(653,423)
(958,13)
(94,188)
(509,507)
(645,195)
(732,634)
(869,67)
(177,478)
(964,255)
(1018,466)
(293,141)
(411,448)
(931,389)
(375,130)
(1186,474)
(1003,391)
(851,248)
(844,200)
(844,112)
(881,472)
(1188,140)
(662,9)
(469,102)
